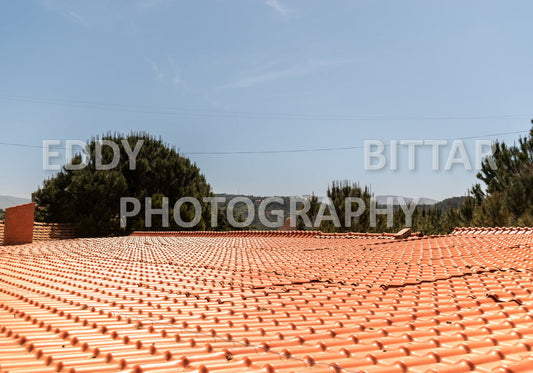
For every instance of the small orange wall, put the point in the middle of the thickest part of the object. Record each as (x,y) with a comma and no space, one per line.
(19,224)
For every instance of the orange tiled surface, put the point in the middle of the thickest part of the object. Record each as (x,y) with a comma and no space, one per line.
(492,230)
(45,231)
(268,304)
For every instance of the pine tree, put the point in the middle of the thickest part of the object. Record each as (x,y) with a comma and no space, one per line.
(89,198)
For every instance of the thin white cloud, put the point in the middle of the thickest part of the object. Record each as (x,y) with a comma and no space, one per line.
(66,11)
(274,4)
(76,18)
(157,72)
(169,73)
(176,76)
(309,67)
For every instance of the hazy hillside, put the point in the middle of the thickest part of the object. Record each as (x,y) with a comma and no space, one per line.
(382,200)
(10,201)
(449,203)
(240,209)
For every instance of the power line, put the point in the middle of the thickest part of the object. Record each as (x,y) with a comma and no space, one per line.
(21,145)
(303,150)
(212,113)
(309,150)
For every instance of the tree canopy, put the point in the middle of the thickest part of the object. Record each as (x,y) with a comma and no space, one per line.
(89,197)
(503,197)
(508,195)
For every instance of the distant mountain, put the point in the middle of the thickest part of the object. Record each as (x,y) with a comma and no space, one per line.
(10,201)
(382,200)
(450,203)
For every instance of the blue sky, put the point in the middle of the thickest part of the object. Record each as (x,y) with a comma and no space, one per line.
(253,75)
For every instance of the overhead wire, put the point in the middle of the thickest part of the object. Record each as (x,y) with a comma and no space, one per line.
(301,150)
(165,110)
(205,112)
(334,148)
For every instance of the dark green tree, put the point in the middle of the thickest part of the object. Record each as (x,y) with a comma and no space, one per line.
(340,192)
(314,206)
(508,177)
(89,198)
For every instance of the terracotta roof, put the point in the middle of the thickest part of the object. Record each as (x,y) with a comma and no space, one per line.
(278,233)
(492,230)
(268,303)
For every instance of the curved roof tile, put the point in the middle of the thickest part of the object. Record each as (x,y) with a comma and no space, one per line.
(269,303)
